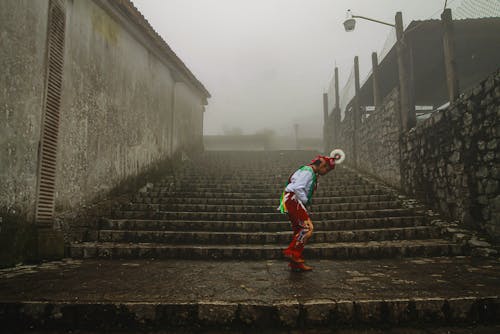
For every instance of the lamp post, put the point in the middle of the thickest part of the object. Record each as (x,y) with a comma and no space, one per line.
(407,105)
(350,22)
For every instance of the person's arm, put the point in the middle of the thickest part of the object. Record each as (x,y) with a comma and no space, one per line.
(301,183)
(310,225)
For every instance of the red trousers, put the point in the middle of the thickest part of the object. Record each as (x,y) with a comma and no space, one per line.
(297,214)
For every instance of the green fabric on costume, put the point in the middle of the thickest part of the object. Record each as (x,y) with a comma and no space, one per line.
(282,206)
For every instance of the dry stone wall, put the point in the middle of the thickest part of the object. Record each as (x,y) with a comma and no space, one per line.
(343,137)
(452,160)
(377,138)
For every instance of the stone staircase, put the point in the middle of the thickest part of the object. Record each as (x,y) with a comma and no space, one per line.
(222,205)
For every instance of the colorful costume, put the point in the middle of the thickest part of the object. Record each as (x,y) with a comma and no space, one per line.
(297,194)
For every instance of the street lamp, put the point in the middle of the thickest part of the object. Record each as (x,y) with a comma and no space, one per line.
(406,98)
(350,22)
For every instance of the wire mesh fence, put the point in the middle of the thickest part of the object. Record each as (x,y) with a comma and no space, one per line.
(462,9)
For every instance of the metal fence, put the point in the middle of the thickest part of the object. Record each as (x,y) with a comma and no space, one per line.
(462,9)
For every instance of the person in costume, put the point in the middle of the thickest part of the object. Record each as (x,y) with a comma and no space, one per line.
(296,196)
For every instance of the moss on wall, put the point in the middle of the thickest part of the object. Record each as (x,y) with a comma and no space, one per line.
(16,238)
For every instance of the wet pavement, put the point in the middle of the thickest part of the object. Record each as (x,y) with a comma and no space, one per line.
(493,329)
(256,281)
(141,295)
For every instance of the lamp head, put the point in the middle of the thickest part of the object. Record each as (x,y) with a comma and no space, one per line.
(349,24)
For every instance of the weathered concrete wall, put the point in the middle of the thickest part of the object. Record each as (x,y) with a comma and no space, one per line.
(117,104)
(124,93)
(378,138)
(452,160)
(23,30)
(188,119)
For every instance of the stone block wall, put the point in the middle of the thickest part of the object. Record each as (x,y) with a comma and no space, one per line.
(343,136)
(452,160)
(377,139)
(378,142)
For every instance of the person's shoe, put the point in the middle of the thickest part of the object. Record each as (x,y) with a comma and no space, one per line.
(290,255)
(299,267)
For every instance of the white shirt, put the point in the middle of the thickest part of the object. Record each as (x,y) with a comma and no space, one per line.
(300,184)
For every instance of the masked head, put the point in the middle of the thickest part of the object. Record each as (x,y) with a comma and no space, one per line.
(323,164)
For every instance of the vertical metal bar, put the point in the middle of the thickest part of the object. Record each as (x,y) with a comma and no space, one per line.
(356,111)
(408,116)
(325,108)
(326,122)
(172,120)
(375,80)
(337,89)
(449,55)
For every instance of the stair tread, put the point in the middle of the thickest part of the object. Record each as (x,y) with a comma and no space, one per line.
(284,221)
(426,242)
(266,213)
(267,233)
(257,205)
(227,208)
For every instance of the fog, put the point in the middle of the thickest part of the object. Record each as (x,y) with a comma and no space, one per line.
(267,63)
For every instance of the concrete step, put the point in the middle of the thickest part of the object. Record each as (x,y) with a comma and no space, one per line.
(257,189)
(263,171)
(264,194)
(476,315)
(257,182)
(272,173)
(253,188)
(246,208)
(224,182)
(145,199)
(260,216)
(258,226)
(362,250)
(201,237)
(184,296)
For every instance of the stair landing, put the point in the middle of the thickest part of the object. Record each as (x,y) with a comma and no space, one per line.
(159,294)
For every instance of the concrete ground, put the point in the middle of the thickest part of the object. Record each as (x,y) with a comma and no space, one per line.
(492,329)
(438,287)
(258,281)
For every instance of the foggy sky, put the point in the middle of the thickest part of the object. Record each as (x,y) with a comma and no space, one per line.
(267,63)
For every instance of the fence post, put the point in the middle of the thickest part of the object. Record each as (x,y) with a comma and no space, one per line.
(336,112)
(326,123)
(407,103)
(356,112)
(375,80)
(449,55)
(325,108)
(337,89)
